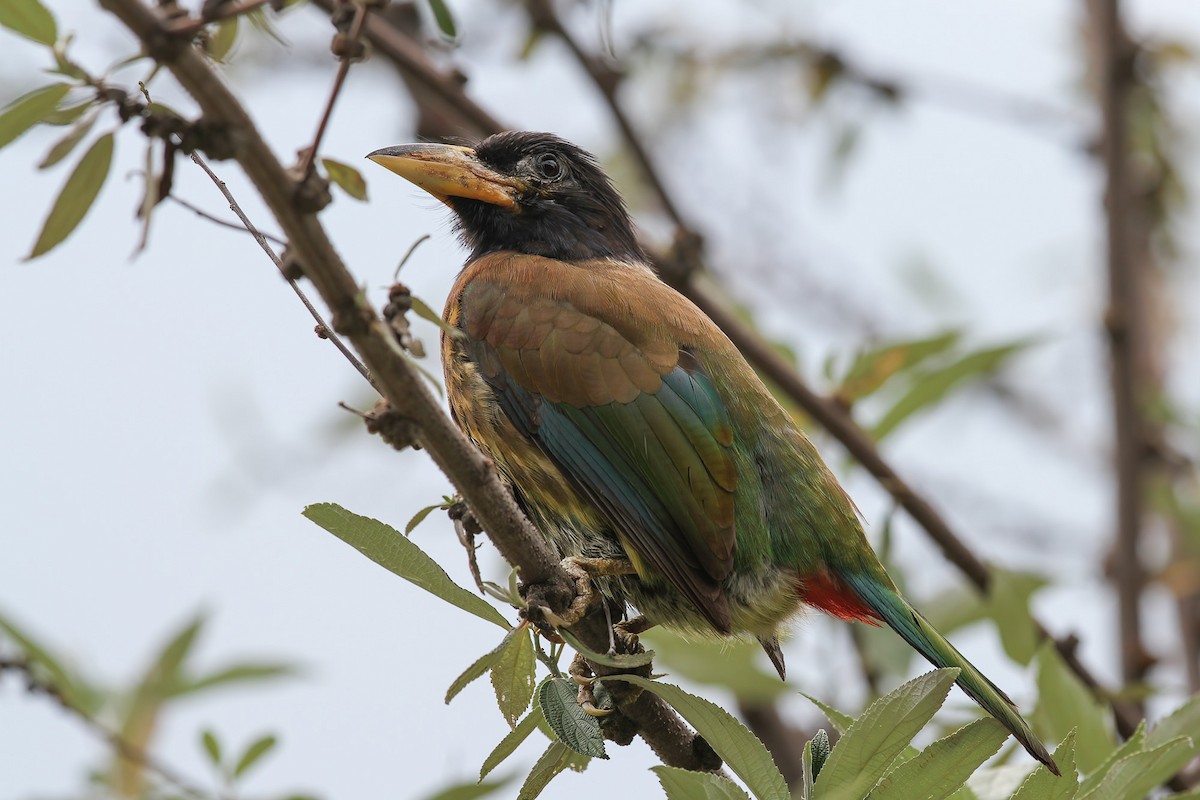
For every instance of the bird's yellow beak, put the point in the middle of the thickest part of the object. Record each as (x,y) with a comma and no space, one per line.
(447,171)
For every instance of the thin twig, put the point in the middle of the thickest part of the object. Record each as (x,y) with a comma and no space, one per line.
(200,212)
(360,13)
(36,685)
(262,242)
(189,25)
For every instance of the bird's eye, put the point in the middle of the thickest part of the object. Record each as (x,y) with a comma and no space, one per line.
(548,167)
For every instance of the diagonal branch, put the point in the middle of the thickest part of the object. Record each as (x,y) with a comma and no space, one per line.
(471,472)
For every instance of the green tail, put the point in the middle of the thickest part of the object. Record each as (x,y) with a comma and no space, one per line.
(912,627)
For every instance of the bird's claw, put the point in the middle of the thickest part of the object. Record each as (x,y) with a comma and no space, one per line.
(585,595)
(581,673)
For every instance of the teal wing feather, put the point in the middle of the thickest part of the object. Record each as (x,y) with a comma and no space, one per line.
(640,434)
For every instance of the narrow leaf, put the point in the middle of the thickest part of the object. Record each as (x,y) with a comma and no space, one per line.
(63,147)
(862,756)
(510,742)
(932,386)
(212,747)
(390,549)
(618,660)
(471,791)
(841,722)
(443,18)
(1183,721)
(481,665)
(683,784)
(739,748)
(578,730)
(557,758)
(1134,744)
(76,197)
(422,310)
(254,753)
(29,18)
(873,368)
(810,777)
(945,765)
(1065,704)
(420,516)
(235,673)
(221,41)
(77,693)
(1045,785)
(28,110)
(514,676)
(347,177)
(1134,776)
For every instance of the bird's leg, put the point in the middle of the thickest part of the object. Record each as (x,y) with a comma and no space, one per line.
(582,674)
(629,630)
(582,570)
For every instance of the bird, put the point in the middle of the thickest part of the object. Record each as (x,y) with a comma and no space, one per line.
(630,429)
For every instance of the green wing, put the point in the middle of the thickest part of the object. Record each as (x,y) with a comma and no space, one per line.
(638,429)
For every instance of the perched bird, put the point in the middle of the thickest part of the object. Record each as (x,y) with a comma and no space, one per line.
(630,429)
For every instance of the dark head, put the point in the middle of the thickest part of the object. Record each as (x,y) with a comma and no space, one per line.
(529,192)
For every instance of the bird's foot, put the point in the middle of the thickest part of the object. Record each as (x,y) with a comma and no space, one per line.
(581,571)
(628,631)
(581,673)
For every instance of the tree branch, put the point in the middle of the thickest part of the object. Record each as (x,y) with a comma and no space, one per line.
(1113,54)
(471,472)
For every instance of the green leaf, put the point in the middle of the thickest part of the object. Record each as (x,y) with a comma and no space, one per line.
(443,18)
(73,688)
(511,742)
(212,747)
(388,548)
(1134,744)
(930,387)
(76,197)
(422,310)
(869,747)
(471,791)
(28,110)
(31,19)
(253,753)
(480,666)
(347,177)
(420,516)
(945,765)
(578,730)
(1043,784)
(514,676)
(841,722)
(235,673)
(1134,776)
(220,42)
(873,368)
(683,784)
(1008,605)
(810,777)
(1065,704)
(618,660)
(1183,721)
(63,147)
(734,665)
(65,116)
(557,758)
(820,751)
(739,748)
